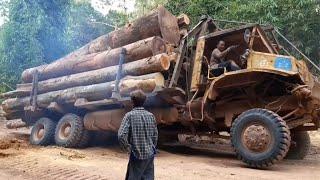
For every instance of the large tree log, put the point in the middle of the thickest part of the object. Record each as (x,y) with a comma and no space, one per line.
(138,50)
(183,21)
(15,124)
(149,65)
(159,22)
(147,83)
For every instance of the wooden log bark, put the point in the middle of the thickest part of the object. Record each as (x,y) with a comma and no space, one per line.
(183,32)
(148,65)
(146,83)
(159,22)
(15,124)
(183,21)
(138,50)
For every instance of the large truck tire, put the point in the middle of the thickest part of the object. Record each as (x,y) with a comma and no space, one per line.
(300,145)
(42,132)
(85,139)
(69,131)
(260,138)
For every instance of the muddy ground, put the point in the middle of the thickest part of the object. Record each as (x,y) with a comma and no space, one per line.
(19,160)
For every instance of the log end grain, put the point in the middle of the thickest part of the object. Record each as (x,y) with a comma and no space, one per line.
(27,74)
(165,61)
(183,20)
(147,83)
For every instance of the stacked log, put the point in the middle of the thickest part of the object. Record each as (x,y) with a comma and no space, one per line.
(148,65)
(158,23)
(138,50)
(89,73)
(146,83)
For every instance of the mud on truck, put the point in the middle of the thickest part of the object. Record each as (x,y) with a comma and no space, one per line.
(264,110)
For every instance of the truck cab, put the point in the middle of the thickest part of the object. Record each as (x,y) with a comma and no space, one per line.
(267,106)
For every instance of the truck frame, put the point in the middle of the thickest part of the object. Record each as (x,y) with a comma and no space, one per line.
(265,109)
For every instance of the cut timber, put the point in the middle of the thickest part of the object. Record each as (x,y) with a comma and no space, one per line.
(138,50)
(16,93)
(149,65)
(159,22)
(14,124)
(183,20)
(183,32)
(147,83)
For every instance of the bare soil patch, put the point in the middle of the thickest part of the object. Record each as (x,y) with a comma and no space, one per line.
(23,161)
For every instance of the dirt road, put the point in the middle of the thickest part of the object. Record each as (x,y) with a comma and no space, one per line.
(19,161)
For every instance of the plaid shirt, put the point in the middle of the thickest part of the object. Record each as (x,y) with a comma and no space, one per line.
(138,133)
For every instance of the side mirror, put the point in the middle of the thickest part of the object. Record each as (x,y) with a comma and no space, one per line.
(247,35)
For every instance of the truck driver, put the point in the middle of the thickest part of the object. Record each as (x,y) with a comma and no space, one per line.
(218,56)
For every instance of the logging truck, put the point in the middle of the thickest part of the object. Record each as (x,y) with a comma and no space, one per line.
(263,110)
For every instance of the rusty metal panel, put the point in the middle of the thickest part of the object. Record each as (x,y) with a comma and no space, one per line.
(266,41)
(272,62)
(305,74)
(196,72)
(110,120)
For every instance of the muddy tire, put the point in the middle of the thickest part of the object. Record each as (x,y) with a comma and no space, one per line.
(300,145)
(260,138)
(85,139)
(42,132)
(69,131)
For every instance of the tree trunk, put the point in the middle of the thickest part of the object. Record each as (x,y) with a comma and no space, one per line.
(149,65)
(159,22)
(15,124)
(146,83)
(183,21)
(138,50)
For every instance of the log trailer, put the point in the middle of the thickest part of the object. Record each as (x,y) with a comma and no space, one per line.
(264,110)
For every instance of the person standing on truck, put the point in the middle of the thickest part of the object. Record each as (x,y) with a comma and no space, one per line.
(138,135)
(218,56)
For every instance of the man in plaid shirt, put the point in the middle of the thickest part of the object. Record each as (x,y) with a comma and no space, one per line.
(138,135)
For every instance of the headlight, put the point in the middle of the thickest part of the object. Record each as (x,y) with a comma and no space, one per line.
(283,63)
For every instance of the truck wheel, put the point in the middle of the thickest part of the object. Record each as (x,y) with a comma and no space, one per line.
(260,138)
(85,139)
(42,132)
(69,131)
(300,145)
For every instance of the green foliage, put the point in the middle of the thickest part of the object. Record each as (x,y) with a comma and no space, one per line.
(38,32)
(144,6)
(83,25)
(298,20)
(20,48)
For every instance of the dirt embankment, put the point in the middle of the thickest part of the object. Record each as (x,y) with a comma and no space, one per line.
(23,161)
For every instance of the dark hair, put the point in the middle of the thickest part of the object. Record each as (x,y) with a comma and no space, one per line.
(138,98)
(221,41)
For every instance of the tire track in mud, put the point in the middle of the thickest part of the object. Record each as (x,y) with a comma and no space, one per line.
(32,167)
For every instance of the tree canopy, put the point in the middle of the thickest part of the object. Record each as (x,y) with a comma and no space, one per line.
(298,20)
(37,32)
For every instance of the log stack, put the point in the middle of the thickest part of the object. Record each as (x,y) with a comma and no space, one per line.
(89,73)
